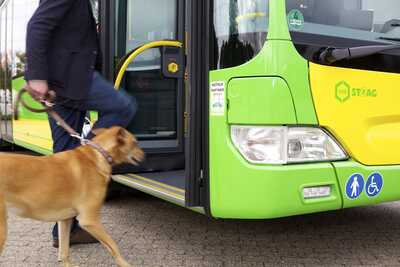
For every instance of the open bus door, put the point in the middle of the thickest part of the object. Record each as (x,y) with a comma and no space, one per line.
(158,78)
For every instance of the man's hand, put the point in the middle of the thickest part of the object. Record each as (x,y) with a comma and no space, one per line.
(38,89)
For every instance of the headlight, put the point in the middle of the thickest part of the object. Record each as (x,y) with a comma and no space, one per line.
(283,145)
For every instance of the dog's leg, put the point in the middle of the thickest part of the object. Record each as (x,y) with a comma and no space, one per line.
(64,231)
(90,222)
(3,222)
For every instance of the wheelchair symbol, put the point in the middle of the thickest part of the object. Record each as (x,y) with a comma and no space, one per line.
(373,188)
(374,184)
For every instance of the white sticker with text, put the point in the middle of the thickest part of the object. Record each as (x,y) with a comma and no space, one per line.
(217,99)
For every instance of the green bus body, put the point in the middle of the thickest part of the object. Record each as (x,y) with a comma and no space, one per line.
(275,87)
(243,190)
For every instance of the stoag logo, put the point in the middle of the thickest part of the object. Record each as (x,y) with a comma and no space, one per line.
(343,91)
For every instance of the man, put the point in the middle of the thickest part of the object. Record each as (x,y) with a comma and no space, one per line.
(62,55)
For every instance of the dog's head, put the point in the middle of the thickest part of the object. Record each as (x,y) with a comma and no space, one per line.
(120,144)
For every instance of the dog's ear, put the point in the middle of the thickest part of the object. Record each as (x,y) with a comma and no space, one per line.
(98,131)
(122,134)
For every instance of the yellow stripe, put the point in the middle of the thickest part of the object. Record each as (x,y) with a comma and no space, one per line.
(156,182)
(149,183)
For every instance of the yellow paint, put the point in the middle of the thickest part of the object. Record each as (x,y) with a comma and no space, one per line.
(361,109)
(250,16)
(156,182)
(36,132)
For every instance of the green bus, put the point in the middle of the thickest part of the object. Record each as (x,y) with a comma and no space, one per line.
(247,108)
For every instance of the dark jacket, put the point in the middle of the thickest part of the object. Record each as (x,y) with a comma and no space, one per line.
(62,46)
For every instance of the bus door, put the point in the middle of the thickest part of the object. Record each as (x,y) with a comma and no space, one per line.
(6,71)
(159,121)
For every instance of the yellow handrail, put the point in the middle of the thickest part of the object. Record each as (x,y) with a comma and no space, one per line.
(250,16)
(134,54)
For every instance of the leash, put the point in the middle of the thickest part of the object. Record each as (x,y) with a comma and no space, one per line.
(48,105)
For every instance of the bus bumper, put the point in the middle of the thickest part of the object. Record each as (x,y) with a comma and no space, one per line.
(379,183)
(264,192)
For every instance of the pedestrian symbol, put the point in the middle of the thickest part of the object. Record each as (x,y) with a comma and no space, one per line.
(374,184)
(354,186)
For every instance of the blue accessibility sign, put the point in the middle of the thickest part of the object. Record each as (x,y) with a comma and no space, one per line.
(355,186)
(374,184)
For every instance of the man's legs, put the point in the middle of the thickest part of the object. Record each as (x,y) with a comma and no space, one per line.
(115,108)
(62,141)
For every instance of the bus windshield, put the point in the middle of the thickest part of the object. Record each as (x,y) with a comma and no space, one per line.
(368,20)
(240,30)
(347,23)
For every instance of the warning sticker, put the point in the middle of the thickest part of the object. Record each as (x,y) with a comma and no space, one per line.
(217,98)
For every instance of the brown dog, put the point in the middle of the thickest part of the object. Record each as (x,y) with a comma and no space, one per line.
(65,185)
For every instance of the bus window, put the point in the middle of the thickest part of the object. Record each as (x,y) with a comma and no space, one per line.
(315,25)
(139,31)
(241,34)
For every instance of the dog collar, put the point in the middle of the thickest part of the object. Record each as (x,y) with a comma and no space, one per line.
(102,151)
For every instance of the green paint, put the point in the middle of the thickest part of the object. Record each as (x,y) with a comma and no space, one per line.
(364,92)
(260,101)
(344,92)
(242,190)
(278,29)
(278,58)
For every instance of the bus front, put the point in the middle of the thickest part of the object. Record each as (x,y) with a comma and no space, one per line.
(303,106)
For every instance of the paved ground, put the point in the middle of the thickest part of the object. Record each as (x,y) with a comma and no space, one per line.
(151,232)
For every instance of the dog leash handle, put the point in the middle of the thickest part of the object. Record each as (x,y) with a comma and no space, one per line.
(47,103)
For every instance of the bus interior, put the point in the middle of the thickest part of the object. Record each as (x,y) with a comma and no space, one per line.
(160,124)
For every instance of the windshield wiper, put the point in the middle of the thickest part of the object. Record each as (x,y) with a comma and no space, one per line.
(331,55)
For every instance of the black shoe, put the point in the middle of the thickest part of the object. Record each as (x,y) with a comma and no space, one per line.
(78,236)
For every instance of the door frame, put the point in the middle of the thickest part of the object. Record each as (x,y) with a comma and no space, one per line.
(198,62)
(108,47)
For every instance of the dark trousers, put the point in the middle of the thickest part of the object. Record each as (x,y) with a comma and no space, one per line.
(115,108)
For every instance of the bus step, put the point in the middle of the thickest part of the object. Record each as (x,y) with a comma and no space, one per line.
(151,186)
